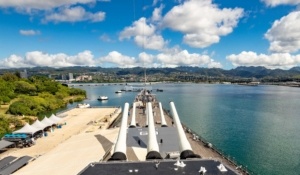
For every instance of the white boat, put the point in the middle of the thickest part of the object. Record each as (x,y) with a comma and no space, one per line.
(118,92)
(84,105)
(103,98)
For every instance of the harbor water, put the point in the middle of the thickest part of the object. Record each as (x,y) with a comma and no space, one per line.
(256,126)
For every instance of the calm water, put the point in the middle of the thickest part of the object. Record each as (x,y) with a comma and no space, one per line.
(256,126)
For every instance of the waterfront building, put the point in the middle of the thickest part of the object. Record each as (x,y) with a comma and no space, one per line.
(71,77)
(24,74)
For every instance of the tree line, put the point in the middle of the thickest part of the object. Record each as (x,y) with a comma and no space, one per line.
(31,97)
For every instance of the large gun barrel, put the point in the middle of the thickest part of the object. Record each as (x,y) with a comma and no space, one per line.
(153,148)
(121,146)
(184,145)
(163,120)
(147,116)
(133,122)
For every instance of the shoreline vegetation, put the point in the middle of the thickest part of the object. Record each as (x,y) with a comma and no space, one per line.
(22,100)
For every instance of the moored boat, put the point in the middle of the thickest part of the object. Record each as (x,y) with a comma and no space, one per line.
(159,90)
(102,98)
(84,105)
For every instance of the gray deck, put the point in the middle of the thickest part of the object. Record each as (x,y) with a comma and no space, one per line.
(149,168)
(167,134)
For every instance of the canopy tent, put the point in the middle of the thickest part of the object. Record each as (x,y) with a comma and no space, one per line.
(39,125)
(27,129)
(4,144)
(54,118)
(47,122)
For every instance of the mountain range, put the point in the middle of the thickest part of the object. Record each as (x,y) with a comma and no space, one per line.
(238,72)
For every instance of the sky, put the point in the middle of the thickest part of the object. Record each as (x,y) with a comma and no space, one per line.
(150,33)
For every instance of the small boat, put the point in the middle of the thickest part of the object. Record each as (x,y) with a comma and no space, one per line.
(159,90)
(118,92)
(84,105)
(103,98)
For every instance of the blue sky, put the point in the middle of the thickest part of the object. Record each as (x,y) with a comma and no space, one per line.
(151,33)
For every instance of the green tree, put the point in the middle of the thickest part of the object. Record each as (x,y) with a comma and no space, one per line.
(18,74)
(74,91)
(6,91)
(8,123)
(44,84)
(4,125)
(10,77)
(23,87)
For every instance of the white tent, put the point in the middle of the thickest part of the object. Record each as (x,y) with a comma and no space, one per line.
(39,125)
(47,122)
(4,144)
(54,118)
(27,129)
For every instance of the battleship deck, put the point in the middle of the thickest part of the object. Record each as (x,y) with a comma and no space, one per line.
(151,167)
(197,146)
(166,137)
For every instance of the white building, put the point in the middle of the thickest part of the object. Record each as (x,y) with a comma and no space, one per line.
(84,78)
(24,74)
(71,77)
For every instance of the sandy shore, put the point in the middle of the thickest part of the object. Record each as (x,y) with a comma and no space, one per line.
(73,155)
(78,121)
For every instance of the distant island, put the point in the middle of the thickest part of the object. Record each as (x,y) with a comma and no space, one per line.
(22,100)
(182,74)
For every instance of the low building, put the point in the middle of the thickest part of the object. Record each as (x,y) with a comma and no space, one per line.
(84,78)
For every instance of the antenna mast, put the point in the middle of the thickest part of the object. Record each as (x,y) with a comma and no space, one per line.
(145,74)
(144,49)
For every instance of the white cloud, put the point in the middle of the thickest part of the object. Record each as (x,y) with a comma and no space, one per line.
(29,32)
(214,64)
(38,58)
(144,35)
(284,35)
(118,60)
(28,5)
(276,60)
(202,22)
(74,14)
(138,28)
(154,2)
(274,3)
(184,58)
(104,37)
(156,14)
(154,42)
(146,60)
(172,58)
(13,61)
